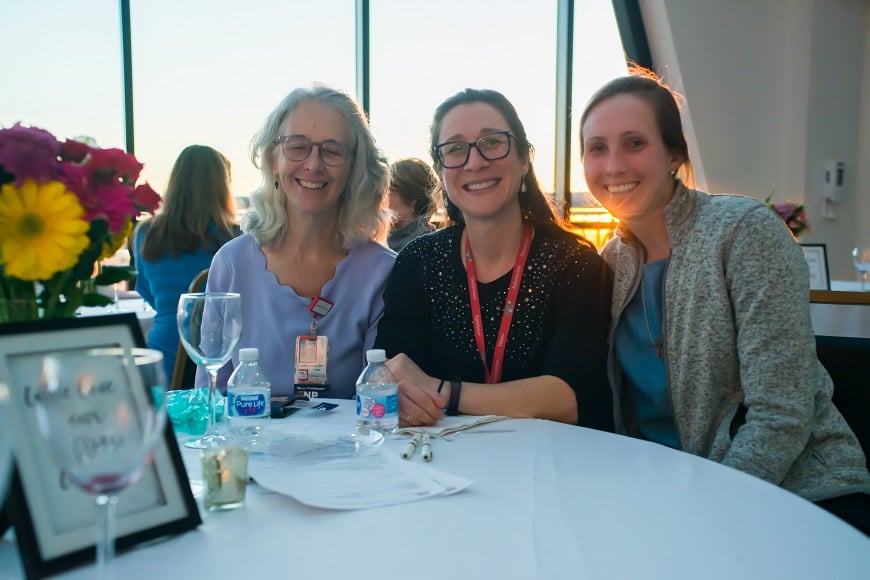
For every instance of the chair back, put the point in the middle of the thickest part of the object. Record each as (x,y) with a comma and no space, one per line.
(184,372)
(847,360)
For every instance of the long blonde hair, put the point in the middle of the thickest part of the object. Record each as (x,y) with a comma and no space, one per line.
(362,213)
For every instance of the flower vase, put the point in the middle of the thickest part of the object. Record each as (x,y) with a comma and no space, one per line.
(18,310)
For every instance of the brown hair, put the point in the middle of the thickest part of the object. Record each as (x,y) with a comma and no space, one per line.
(536,205)
(417,184)
(648,86)
(197,211)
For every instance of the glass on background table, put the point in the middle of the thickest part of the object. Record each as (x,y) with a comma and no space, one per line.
(861,261)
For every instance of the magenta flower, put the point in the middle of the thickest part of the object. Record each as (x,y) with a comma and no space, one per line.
(29,153)
(145,198)
(108,165)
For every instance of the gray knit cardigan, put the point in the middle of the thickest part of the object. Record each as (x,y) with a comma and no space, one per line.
(746,386)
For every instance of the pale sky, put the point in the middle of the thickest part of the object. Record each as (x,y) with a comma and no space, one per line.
(210,71)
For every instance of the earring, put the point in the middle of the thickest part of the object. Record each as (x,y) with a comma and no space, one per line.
(523,185)
(673,172)
(276,185)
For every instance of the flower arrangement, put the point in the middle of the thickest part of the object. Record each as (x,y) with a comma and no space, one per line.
(63,208)
(792,214)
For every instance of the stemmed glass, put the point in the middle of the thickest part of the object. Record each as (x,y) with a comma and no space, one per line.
(5,450)
(861,260)
(102,411)
(209,325)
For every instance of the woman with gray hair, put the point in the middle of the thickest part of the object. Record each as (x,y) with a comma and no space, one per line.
(311,264)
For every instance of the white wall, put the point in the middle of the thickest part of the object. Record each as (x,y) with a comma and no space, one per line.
(775,88)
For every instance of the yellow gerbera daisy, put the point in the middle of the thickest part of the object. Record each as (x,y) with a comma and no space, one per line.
(42,229)
(115,242)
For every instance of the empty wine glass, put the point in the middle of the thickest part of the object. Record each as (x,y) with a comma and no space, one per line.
(861,260)
(102,411)
(5,447)
(210,325)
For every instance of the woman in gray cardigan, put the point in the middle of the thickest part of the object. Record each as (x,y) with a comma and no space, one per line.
(711,347)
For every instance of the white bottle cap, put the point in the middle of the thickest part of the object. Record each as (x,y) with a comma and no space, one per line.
(376,355)
(249,354)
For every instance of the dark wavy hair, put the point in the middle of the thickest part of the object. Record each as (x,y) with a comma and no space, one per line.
(536,206)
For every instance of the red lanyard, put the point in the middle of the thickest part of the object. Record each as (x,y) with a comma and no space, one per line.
(494,375)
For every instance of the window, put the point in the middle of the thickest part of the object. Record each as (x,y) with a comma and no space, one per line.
(208,72)
(64,79)
(422,53)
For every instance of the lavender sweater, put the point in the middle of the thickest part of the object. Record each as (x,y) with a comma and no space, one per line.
(274,315)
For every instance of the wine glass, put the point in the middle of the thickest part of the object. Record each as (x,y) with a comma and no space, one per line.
(5,450)
(210,325)
(102,411)
(119,258)
(861,260)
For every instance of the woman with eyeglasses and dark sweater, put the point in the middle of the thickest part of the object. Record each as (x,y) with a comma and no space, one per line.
(505,311)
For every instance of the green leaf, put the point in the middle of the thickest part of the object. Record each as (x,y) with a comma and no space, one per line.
(114,274)
(94,299)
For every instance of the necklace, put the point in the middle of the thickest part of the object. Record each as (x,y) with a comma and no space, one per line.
(657,343)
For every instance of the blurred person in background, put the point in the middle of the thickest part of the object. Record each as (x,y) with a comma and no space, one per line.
(415,194)
(195,219)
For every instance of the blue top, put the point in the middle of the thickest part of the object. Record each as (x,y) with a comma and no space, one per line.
(160,283)
(636,342)
(273,315)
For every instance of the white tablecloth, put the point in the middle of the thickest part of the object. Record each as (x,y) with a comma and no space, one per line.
(144,313)
(850,320)
(549,501)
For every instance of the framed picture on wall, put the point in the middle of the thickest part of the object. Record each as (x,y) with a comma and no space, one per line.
(817,260)
(54,520)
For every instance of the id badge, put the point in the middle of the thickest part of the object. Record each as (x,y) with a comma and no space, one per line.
(312,354)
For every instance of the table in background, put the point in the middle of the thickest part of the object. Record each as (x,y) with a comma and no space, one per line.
(842,311)
(131,302)
(549,501)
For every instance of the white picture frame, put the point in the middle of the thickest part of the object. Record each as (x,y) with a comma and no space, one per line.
(55,524)
(816,256)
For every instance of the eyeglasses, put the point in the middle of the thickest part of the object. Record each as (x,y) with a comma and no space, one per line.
(298,148)
(492,147)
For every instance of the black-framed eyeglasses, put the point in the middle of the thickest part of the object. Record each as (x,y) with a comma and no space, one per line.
(298,148)
(492,147)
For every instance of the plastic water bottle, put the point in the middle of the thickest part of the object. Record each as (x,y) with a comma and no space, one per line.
(249,395)
(377,395)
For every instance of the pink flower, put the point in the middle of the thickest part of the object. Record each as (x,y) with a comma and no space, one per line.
(74,151)
(29,153)
(792,214)
(145,198)
(108,165)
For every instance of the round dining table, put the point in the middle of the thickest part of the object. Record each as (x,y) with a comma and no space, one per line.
(548,501)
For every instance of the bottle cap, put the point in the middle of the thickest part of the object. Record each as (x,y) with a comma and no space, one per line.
(376,355)
(249,354)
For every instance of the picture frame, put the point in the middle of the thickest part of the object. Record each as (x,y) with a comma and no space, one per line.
(54,521)
(816,256)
